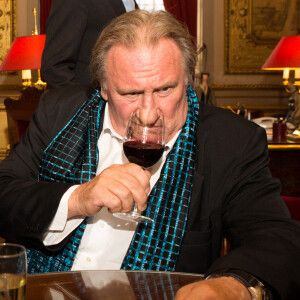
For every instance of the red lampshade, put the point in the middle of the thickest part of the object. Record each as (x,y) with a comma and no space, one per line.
(285,55)
(25,53)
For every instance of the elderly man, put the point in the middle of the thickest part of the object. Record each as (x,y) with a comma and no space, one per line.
(61,184)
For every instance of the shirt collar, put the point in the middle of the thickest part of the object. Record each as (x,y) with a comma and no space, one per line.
(107,125)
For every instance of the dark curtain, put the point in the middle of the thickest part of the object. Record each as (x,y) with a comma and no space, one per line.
(184,11)
(45,6)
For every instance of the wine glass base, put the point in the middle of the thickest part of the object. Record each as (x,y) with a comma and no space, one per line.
(132,216)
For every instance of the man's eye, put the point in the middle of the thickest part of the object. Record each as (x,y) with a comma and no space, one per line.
(133,93)
(165,89)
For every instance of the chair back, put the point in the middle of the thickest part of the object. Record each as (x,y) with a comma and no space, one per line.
(19,112)
(293,204)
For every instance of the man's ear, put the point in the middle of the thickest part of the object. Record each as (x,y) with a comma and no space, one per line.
(104,94)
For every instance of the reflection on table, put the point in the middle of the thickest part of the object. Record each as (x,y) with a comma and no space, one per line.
(107,285)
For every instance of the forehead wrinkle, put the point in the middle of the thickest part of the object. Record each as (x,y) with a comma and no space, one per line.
(143,62)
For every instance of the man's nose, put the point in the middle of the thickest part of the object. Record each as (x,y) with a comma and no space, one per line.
(147,102)
(148,109)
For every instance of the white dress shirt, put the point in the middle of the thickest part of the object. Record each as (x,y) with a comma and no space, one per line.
(129,5)
(106,238)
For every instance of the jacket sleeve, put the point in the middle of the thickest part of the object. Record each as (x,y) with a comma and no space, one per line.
(27,206)
(264,240)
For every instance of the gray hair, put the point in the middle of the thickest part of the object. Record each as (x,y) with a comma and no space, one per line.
(142,27)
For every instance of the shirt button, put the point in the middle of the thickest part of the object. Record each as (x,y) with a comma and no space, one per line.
(88,259)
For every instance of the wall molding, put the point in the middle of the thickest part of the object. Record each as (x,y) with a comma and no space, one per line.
(247,87)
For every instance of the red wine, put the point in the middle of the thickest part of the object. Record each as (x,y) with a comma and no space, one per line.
(145,155)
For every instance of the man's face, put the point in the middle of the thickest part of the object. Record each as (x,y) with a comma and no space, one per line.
(146,78)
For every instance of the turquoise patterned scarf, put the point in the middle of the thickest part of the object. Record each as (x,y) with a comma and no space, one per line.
(72,156)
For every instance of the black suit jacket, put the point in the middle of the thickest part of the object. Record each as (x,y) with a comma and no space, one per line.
(233,195)
(73,27)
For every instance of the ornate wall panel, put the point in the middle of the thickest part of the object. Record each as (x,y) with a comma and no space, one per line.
(252,30)
(7,35)
(7,25)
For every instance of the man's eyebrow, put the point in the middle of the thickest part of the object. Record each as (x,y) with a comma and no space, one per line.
(129,91)
(137,91)
(167,85)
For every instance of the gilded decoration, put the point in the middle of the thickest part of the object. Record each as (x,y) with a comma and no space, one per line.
(252,30)
(7,25)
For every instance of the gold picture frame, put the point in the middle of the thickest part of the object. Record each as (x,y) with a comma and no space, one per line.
(7,25)
(252,30)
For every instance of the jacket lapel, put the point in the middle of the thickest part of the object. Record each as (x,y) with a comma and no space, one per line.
(195,205)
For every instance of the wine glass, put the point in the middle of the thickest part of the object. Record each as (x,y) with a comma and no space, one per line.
(143,144)
(13,270)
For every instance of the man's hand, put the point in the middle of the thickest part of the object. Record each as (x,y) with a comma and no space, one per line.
(116,188)
(225,288)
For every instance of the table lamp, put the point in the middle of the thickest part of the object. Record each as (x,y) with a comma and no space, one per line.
(25,54)
(286,57)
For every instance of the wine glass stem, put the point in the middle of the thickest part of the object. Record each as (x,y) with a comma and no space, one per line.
(135,208)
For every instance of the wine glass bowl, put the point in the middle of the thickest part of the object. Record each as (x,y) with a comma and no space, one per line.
(143,144)
(13,270)
(144,138)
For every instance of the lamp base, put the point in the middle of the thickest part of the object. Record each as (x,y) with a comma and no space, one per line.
(40,85)
(296,113)
(293,114)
